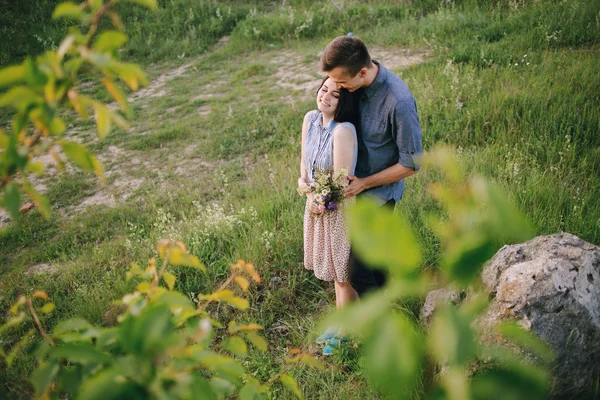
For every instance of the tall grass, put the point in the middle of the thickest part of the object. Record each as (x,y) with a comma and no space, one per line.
(512,85)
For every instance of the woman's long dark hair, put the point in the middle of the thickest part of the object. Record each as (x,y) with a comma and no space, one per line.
(347,108)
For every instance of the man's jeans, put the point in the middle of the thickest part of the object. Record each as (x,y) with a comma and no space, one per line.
(362,278)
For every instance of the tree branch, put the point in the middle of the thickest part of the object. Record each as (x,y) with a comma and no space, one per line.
(38,323)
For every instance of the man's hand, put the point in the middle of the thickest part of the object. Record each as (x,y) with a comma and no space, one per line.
(356,186)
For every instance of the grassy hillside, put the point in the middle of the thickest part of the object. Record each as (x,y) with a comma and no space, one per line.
(211,157)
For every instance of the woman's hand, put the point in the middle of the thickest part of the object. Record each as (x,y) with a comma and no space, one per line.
(303,186)
(314,207)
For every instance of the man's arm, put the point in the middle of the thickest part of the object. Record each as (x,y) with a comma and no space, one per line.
(388,175)
(408,139)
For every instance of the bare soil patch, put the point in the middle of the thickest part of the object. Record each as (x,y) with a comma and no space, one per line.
(295,73)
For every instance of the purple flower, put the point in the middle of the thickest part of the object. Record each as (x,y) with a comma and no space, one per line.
(330,205)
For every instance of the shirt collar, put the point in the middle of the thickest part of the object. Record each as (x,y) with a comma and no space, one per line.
(378,83)
(319,119)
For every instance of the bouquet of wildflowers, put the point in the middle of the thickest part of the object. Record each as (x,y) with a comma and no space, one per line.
(328,187)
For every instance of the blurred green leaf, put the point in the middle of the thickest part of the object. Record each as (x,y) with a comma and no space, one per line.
(451,339)
(148,333)
(57,126)
(20,98)
(225,367)
(444,158)
(466,255)
(119,120)
(517,382)
(14,321)
(48,308)
(41,201)
(129,73)
(12,199)
(151,4)
(36,167)
(512,331)
(258,341)
(311,361)
(32,74)
(169,279)
(359,317)
(174,300)
(43,376)
(108,338)
(78,155)
(11,75)
(69,379)
(110,41)
(65,46)
(102,115)
(118,95)
(226,296)
(199,389)
(249,391)
(178,257)
(236,345)
(70,326)
(72,66)
(393,355)
(291,384)
(95,4)
(383,238)
(67,10)
(506,223)
(82,353)
(110,385)
(222,387)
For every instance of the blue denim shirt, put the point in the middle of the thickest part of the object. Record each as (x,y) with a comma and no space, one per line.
(389,132)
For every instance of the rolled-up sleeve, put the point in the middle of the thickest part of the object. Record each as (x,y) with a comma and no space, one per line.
(408,134)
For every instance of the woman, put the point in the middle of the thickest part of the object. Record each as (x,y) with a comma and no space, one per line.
(328,139)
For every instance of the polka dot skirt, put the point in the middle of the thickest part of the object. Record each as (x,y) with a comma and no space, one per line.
(327,244)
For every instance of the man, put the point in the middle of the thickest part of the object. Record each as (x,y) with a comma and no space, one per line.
(390,145)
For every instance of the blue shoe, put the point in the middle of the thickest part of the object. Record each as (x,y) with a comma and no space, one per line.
(328,350)
(325,337)
(334,343)
(338,341)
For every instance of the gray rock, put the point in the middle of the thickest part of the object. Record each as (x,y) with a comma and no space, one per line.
(434,299)
(551,286)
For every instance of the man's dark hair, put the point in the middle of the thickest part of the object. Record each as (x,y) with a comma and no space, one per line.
(348,52)
(347,108)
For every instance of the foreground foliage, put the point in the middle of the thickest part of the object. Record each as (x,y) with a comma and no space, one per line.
(531,127)
(395,348)
(40,91)
(164,346)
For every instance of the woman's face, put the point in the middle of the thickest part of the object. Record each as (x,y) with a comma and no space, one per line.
(328,97)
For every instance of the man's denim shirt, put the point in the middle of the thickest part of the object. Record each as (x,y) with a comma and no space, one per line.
(389,132)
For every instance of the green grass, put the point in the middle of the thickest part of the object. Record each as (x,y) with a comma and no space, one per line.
(224,181)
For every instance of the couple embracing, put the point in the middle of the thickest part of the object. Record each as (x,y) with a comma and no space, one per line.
(366,123)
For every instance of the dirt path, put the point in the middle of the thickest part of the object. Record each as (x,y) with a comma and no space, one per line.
(296,72)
